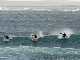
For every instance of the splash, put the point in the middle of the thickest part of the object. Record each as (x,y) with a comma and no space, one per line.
(40,34)
(68,32)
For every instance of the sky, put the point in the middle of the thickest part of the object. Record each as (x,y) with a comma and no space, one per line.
(38,2)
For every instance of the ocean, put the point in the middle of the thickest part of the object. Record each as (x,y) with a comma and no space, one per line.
(47,25)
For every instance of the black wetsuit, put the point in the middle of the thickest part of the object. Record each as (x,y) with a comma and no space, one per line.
(7,37)
(64,35)
(35,36)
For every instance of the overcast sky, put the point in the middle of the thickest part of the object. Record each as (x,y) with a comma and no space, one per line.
(38,2)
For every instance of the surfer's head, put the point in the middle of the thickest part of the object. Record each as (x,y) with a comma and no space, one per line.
(60,33)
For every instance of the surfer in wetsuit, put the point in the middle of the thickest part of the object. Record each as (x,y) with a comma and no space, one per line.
(63,35)
(7,37)
(34,37)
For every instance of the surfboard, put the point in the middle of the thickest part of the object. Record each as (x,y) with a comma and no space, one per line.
(6,39)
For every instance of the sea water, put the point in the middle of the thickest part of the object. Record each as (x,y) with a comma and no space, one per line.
(47,25)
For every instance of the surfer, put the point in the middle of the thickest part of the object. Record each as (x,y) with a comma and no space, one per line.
(6,38)
(63,35)
(34,37)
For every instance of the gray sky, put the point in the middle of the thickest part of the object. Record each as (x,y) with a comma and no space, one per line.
(38,2)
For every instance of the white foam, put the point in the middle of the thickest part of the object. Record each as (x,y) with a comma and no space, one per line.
(25,8)
(57,47)
(42,9)
(77,9)
(40,34)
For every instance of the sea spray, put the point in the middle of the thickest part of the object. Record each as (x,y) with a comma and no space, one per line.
(40,34)
(57,32)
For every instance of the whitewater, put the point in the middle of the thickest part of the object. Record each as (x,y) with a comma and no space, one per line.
(47,24)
